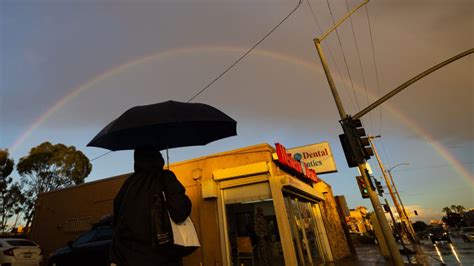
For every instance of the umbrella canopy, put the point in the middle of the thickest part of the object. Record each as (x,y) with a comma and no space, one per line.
(165,125)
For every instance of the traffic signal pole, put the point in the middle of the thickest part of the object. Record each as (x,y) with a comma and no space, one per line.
(352,141)
(385,228)
(406,224)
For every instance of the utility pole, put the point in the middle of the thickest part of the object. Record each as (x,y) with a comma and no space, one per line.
(354,141)
(379,212)
(409,224)
(405,231)
(395,227)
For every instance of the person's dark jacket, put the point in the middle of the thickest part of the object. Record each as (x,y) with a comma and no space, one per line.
(133,241)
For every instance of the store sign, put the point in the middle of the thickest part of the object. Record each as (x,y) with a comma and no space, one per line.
(300,169)
(317,156)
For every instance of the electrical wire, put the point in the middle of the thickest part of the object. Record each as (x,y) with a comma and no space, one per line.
(330,51)
(245,54)
(360,64)
(432,166)
(375,62)
(233,64)
(100,156)
(387,158)
(343,55)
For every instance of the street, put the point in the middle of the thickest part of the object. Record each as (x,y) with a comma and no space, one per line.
(456,253)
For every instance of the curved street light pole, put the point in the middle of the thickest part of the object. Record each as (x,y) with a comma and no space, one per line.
(409,225)
(395,187)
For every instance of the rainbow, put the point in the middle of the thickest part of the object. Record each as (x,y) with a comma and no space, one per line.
(457,166)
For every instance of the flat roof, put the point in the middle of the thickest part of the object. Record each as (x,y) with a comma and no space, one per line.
(263,147)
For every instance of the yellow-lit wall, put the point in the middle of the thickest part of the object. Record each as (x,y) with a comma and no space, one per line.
(358,221)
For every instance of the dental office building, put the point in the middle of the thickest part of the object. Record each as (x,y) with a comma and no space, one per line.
(252,206)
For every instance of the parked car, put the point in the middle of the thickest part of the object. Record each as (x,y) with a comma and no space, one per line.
(15,251)
(438,234)
(91,248)
(467,234)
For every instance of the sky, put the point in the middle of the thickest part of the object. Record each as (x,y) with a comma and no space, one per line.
(68,68)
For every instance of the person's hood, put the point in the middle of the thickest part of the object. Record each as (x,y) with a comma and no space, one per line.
(148,159)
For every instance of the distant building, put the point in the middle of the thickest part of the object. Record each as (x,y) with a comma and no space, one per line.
(358,220)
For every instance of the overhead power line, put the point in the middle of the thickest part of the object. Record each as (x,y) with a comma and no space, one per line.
(372,46)
(100,156)
(246,53)
(344,56)
(360,63)
(233,64)
(375,62)
(330,51)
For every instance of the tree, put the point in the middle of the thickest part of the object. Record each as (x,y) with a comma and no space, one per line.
(454,216)
(447,210)
(49,167)
(453,208)
(6,164)
(460,209)
(11,197)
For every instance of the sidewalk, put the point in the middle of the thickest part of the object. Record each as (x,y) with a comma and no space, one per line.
(370,255)
(366,255)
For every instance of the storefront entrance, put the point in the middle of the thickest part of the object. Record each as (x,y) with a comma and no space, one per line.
(252,234)
(252,229)
(307,230)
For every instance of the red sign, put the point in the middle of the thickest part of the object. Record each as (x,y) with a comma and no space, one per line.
(300,167)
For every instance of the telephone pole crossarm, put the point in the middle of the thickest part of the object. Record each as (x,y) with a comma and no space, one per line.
(342,20)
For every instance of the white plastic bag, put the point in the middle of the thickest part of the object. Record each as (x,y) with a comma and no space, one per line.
(184,234)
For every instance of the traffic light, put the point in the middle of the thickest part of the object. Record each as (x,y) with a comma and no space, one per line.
(354,142)
(379,187)
(386,208)
(346,146)
(363,139)
(364,189)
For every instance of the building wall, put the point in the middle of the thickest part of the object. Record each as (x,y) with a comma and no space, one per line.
(63,215)
(336,236)
(359,221)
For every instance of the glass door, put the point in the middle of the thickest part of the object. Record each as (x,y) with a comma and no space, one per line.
(304,230)
(252,229)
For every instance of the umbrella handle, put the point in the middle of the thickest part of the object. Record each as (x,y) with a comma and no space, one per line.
(167,158)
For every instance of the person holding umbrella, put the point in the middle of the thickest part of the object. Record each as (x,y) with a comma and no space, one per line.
(133,243)
(148,129)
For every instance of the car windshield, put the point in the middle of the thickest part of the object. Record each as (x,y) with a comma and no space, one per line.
(21,243)
(85,238)
(470,229)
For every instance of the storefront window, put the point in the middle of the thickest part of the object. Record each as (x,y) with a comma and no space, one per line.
(304,231)
(252,227)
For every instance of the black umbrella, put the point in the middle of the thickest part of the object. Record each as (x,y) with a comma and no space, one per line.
(165,125)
